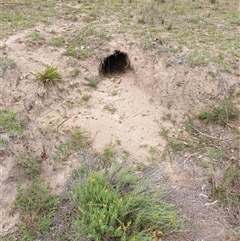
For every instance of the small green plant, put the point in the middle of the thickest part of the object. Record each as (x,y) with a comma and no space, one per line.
(189,125)
(221,113)
(35,38)
(86,97)
(110,108)
(92,83)
(116,204)
(57,42)
(79,139)
(125,154)
(108,154)
(166,176)
(228,190)
(153,151)
(62,152)
(74,18)
(6,63)
(70,104)
(49,75)
(114,93)
(10,122)
(71,51)
(169,104)
(36,206)
(118,142)
(75,72)
(164,132)
(30,165)
(166,116)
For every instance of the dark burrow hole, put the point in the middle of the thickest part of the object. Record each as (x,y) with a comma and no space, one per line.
(117,63)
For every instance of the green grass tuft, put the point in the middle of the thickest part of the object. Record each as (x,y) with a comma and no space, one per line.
(49,75)
(92,83)
(110,108)
(10,122)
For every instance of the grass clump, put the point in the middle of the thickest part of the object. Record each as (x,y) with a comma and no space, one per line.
(35,38)
(92,83)
(110,108)
(49,75)
(117,204)
(10,122)
(75,72)
(108,154)
(6,63)
(79,139)
(36,206)
(57,42)
(62,152)
(30,165)
(221,113)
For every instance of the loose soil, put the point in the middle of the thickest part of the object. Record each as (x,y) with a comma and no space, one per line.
(139,100)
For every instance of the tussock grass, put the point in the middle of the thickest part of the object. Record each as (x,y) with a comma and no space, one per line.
(49,75)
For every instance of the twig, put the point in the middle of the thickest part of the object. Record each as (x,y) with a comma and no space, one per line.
(94,137)
(61,124)
(84,68)
(206,135)
(187,158)
(207,204)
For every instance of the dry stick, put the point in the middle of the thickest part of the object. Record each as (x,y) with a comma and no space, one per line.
(94,137)
(207,204)
(61,124)
(206,135)
(187,158)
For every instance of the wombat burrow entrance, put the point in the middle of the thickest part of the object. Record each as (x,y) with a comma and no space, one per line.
(116,63)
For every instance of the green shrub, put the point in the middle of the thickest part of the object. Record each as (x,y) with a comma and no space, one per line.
(118,204)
